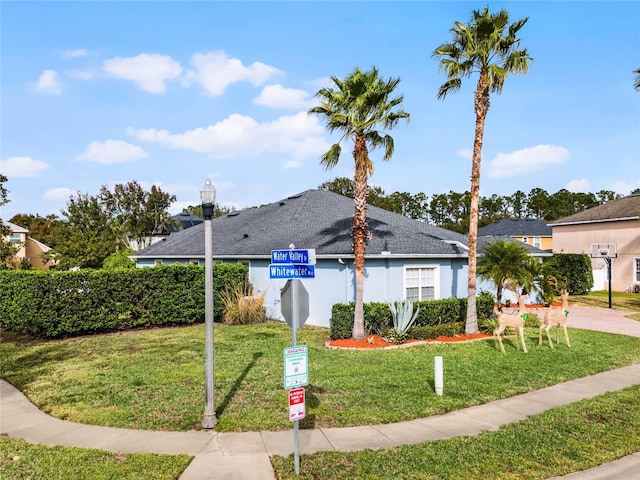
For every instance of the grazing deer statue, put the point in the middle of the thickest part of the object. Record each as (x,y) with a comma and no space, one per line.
(515,321)
(555,316)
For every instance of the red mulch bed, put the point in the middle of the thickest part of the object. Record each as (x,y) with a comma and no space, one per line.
(375,341)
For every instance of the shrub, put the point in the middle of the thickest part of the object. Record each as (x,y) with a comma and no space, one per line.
(403,317)
(56,304)
(435,331)
(241,307)
(576,267)
(377,316)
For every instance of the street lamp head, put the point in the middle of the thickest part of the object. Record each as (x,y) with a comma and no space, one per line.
(208,199)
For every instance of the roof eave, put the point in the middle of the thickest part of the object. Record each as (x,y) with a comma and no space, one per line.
(604,220)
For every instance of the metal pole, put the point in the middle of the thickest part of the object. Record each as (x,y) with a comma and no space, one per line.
(609,277)
(209,418)
(294,327)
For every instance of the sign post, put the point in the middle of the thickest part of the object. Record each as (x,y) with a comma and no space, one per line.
(294,264)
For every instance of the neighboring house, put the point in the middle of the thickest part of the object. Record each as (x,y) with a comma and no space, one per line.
(30,249)
(405,258)
(531,231)
(615,222)
(183,221)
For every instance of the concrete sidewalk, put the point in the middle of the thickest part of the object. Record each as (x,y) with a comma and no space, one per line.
(245,456)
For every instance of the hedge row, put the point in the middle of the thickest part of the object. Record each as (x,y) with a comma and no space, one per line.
(57,304)
(377,315)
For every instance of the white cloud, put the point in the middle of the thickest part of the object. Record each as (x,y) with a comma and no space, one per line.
(241,136)
(465,153)
(79,74)
(624,187)
(293,164)
(113,151)
(149,71)
(61,193)
(527,160)
(22,167)
(215,71)
(48,83)
(578,185)
(277,96)
(79,52)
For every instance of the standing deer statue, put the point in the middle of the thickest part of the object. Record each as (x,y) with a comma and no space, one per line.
(556,316)
(515,321)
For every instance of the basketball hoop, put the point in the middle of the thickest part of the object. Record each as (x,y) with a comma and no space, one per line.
(604,250)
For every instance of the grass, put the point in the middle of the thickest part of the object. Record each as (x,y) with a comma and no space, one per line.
(22,460)
(619,301)
(153,379)
(567,439)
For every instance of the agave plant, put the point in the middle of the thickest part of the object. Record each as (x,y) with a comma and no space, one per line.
(403,317)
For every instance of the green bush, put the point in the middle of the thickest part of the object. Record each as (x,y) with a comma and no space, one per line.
(56,304)
(434,331)
(576,267)
(377,315)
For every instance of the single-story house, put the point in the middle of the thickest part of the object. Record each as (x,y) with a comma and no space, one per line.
(615,222)
(405,258)
(532,231)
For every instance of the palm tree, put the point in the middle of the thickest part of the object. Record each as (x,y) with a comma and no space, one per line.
(356,107)
(636,84)
(488,45)
(503,262)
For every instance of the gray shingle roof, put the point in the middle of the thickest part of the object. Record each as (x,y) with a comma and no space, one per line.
(625,208)
(517,227)
(312,219)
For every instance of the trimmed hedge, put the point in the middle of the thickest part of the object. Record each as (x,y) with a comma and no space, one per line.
(377,315)
(576,267)
(57,304)
(434,331)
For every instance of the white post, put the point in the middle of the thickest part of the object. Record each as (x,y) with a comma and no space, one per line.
(439,375)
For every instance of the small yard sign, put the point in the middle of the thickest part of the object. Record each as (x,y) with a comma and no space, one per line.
(295,367)
(297,408)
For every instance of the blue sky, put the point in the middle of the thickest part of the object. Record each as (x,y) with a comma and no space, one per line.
(173,93)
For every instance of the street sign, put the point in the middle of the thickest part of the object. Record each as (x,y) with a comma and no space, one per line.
(297,257)
(297,408)
(295,367)
(299,311)
(291,271)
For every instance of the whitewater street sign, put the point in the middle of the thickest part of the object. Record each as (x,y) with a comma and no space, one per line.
(292,271)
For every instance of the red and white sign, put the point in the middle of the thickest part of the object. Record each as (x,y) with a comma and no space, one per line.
(296,404)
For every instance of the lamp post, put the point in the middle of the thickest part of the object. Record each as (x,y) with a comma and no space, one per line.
(208,197)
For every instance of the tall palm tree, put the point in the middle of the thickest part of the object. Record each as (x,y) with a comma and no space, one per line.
(636,84)
(357,106)
(503,262)
(488,45)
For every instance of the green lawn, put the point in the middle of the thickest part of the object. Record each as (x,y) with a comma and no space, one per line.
(153,379)
(619,301)
(20,460)
(567,439)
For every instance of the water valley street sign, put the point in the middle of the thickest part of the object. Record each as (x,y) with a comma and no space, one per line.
(298,257)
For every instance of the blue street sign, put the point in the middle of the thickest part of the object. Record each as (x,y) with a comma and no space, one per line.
(295,257)
(292,271)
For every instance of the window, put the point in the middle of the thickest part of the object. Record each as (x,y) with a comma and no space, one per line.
(525,239)
(420,283)
(636,271)
(537,242)
(15,238)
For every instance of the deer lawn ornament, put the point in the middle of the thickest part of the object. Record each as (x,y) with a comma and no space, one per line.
(515,321)
(556,316)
